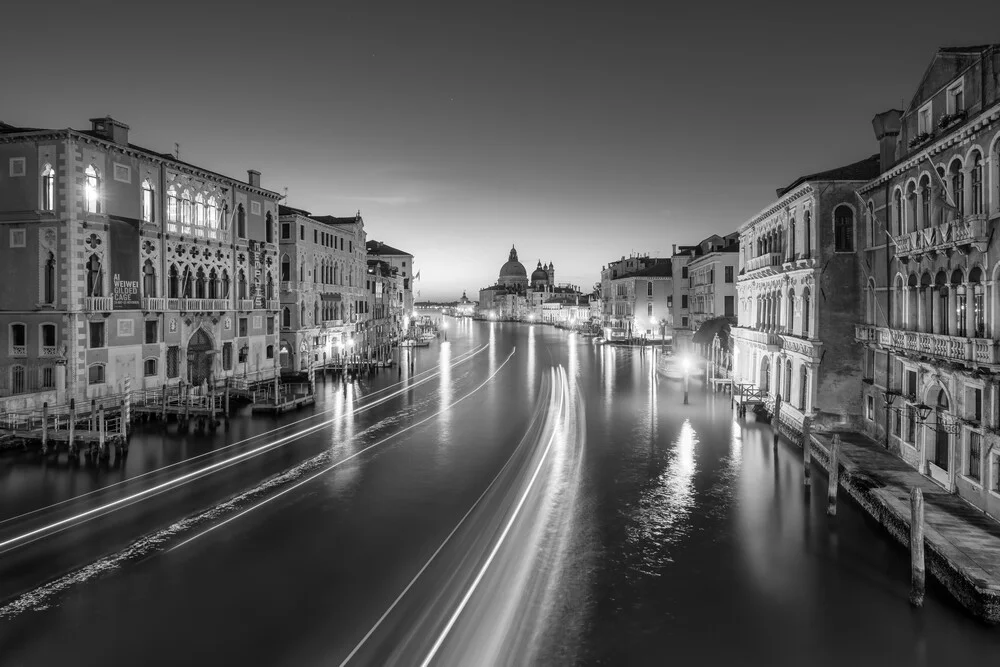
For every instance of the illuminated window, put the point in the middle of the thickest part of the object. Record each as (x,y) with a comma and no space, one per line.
(148,214)
(48,188)
(92,190)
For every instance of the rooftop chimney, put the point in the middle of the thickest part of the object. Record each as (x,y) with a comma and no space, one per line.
(253,177)
(110,129)
(887,125)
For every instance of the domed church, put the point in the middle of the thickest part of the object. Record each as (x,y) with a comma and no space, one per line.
(515,296)
(512,273)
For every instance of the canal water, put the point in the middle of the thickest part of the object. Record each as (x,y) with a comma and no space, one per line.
(522,497)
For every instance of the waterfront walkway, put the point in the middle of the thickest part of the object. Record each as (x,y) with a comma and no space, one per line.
(963,543)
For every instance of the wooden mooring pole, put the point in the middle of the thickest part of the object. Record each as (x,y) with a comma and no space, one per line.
(45,427)
(831,492)
(806,447)
(917,573)
(72,426)
(100,432)
(776,420)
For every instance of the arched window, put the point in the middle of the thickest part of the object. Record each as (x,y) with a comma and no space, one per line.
(148,279)
(315,312)
(871,304)
(173,282)
(95,282)
(803,388)
(792,251)
(872,233)
(791,311)
(199,210)
(49,279)
(286,318)
(843,229)
(805,312)
(241,222)
(978,204)
(212,217)
(269,352)
(49,340)
(173,207)
(92,189)
(898,211)
(270,286)
(213,284)
(957,187)
(200,290)
(187,288)
(302,272)
(925,201)
(268,228)
(48,201)
(787,395)
(148,210)
(186,214)
(149,367)
(977,299)
(225,284)
(241,285)
(95,374)
(807,235)
(18,340)
(286,269)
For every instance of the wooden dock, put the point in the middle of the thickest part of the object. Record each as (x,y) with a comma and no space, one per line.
(280,398)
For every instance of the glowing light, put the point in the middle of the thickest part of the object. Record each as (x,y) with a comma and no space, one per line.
(686,363)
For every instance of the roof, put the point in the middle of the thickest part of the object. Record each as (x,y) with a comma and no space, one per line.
(863,170)
(336,220)
(658,270)
(379,248)
(6,128)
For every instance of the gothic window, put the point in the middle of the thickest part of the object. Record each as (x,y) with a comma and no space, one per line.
(49,279)
(925,201)
(270,286)
(241,222)
(95,282)
(186,214)
(958,187)
(898,210)
(803,387)
(269,228)
(92,190)
(241,285)
(807,234)
(173,282)
(199,210)
(199,284)
(977,184)
(225,284)
(286,268)
(843,229)
(212,215)
(48,188)
(148,211)
(148,279)
(872,234)
(173,207)
(186,283)
(286,318)
(213,284)
(805,312)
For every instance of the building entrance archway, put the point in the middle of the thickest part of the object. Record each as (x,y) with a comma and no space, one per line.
(200,353)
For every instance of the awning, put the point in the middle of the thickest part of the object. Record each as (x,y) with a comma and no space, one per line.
(707,331)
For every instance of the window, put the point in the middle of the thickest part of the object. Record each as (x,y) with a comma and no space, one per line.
(803,388)
(975,458)
(805,312)
(173,361)
(729,274)
(270,352)
(684,321)
(843,229)
(18,340)
(286,230)
(147,202)
(977,184)
(995,474)
(270,325)
(241,222)
(730,306)
(187,213)
(649,309)
(870,407)
(286,268)
(227,356)
(96,374)
(152,331)
(122,173)
(18,166)
(92,190)
(173,282)
(149,368)
(212,217)
(286,318)
(649,288)
(258,322)
(684,300)
(302,233)
(49,279)
(268,228)
(956,98)
(924,119)
(957,187)
(48,200)
(315,236)
(96,334)
(18,238)
(243,326)
(48,340)
(173,209)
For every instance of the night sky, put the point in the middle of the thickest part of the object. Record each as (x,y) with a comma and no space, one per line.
(578,131)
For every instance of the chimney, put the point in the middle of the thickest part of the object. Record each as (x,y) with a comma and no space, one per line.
(110,129)
(887,125)
(253,177)
(675,250)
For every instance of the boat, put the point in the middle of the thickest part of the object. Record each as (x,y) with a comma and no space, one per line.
(428,336)
(411,342)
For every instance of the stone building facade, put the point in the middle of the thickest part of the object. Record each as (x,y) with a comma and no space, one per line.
(402,262)
(122,265)
(618,296)
(324,302)
(799,295)
(931,321)
(712,275)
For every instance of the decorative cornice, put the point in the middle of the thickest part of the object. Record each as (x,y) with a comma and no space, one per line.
(776,206)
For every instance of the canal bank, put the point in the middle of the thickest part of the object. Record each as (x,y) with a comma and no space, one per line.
(962,545)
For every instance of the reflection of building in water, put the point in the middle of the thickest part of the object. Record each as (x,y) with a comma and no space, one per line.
(122,263)
(516,297)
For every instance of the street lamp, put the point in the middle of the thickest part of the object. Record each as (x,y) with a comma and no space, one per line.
(444,327)
(686,365)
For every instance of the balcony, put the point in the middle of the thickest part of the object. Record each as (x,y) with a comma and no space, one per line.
(272,304)
(771,261)
(769,339)
(50,351)
(971,230)
(154,303)
(285,286)
(244,304)
(939,346)
(98,304)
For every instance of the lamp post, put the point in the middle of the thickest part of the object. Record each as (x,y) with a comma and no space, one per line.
(444,327)
(687,375)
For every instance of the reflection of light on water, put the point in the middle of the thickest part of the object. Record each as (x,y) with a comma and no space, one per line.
(608,368)
(659,518)
(735,446)
(531,365)
(446,394)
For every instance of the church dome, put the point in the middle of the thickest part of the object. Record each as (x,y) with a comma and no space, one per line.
(539,274)
(513,272)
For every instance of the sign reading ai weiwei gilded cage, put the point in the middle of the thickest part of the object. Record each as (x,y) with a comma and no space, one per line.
(125,260)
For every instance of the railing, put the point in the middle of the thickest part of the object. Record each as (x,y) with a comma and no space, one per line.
(154,303)
(50,351)
(972,229)
(333,323)
(768,338)
(244,304)
(101,304)
(952,348)
(272,304)
(771,259)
